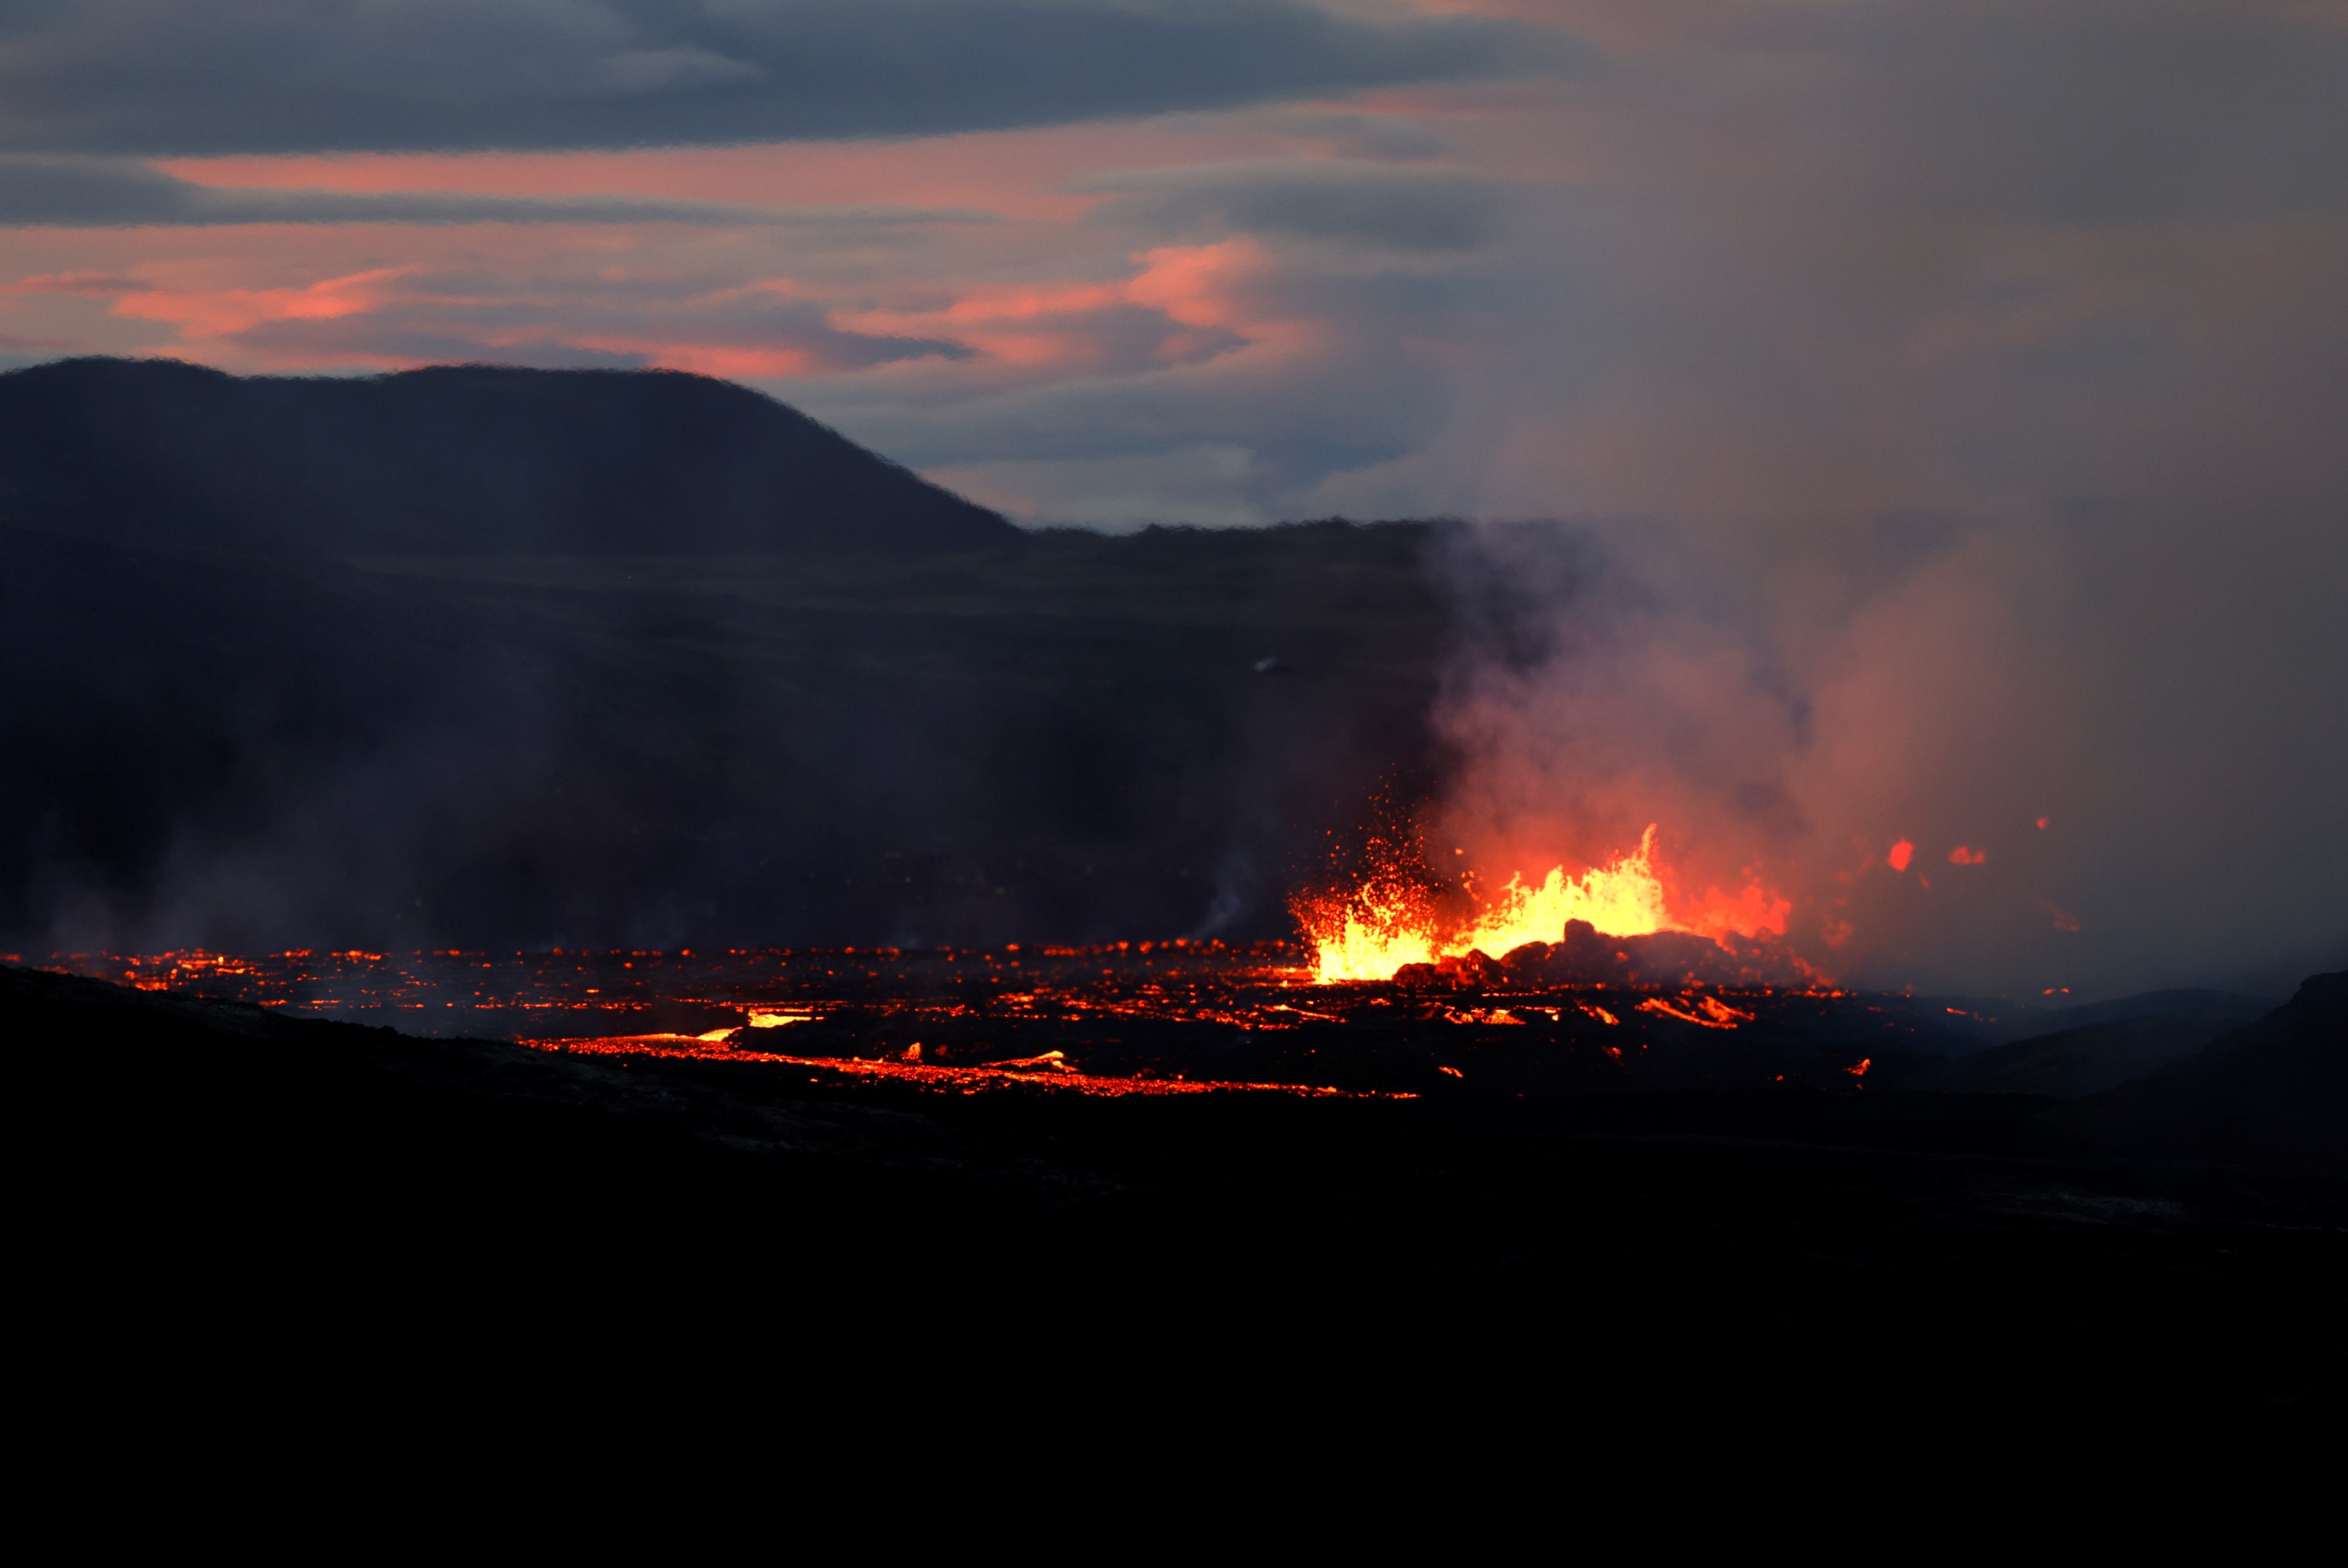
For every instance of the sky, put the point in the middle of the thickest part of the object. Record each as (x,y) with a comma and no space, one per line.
(1955,387)
(1112,261)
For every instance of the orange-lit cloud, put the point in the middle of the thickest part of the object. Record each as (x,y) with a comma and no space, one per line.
(1018,175)
(221,311)
(1199,287)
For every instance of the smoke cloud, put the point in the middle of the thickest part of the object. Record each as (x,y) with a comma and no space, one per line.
(2110,738)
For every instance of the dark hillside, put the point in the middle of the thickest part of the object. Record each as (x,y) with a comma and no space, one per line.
(2070,1063)
(1063,741)
(2219,1010)
(524,658)
(2274,1092)
(2083,1050)
(452,460)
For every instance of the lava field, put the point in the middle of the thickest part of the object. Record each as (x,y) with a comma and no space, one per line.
(1152,1018)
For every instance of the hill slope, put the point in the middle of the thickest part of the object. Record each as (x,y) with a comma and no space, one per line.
(2083,1051)
(1066,739)
(452,460)
(2272,1092)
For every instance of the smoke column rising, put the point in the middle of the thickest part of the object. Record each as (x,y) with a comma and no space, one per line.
(1788,705)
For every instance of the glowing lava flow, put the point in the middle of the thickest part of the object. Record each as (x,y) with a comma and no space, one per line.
(1385,924)
(1051,1072)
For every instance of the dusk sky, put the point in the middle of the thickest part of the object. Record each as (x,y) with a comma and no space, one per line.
(1113,262)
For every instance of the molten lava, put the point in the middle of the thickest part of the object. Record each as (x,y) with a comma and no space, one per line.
(1388,922)
(1383,927)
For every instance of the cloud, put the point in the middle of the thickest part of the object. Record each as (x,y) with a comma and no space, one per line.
(120,193)
(150,77)
(425,328)
(1354,203)
(86,285)
(399,317)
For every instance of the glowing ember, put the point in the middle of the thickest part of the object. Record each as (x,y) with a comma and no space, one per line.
(1386,924)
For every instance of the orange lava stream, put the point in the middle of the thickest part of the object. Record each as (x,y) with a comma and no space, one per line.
(1377,930)
(1035,1072)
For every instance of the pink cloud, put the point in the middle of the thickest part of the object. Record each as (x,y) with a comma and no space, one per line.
(1195,285)
(1018,174)
(1032,294)
(86,285)
(221,311)
(731,362)
(1203,288)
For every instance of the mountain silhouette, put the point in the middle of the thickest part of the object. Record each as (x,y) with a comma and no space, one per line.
(453,460)
(514,658)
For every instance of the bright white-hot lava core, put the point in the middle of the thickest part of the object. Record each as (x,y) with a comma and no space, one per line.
(1389,920)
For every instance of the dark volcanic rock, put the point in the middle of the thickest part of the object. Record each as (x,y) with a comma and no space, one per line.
(1586,956)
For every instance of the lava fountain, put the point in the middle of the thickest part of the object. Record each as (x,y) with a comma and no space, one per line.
(1390,919)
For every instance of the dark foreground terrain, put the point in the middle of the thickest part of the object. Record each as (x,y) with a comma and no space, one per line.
(222,1182)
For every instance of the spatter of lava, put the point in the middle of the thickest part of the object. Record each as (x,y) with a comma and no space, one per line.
(1390,919)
